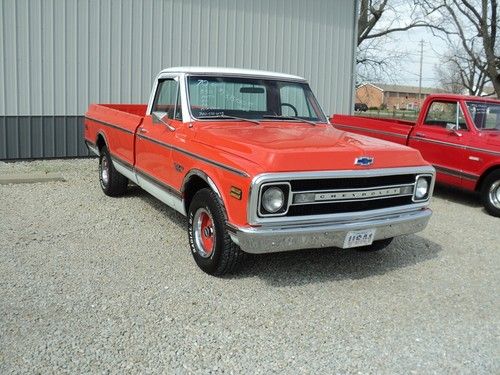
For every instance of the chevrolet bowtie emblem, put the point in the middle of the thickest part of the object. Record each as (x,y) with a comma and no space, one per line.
(363,160)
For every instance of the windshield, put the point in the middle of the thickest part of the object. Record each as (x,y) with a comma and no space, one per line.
(255,99)
(486,115)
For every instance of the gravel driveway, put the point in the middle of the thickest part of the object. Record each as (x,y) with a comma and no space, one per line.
(92,284)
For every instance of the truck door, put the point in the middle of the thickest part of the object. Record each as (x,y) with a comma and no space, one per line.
(439,138)
(156,134)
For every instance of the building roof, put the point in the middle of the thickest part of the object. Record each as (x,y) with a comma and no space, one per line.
(230,71)
(403,89)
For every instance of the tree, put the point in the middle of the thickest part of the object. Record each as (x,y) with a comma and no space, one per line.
(473,24)
(378,20)
(458,73)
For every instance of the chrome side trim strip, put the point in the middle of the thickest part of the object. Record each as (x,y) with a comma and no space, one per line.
(158,189)
(463,147)
(174,148)
(109,125)
(371,130)
(160,193)
(124,170)
(140,173)
(456,173)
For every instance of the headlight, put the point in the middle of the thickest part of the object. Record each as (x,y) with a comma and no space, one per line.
(421,188)
(273,199)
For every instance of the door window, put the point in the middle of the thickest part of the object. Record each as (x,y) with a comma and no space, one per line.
(447,115)
(168,101)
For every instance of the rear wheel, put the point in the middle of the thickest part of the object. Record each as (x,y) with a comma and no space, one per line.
(490,193)
(212,248)
(112,182)
(376,245)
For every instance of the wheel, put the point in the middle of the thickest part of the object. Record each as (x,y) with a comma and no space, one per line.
(490,193)
(112,182)
(212,248)
(376,245)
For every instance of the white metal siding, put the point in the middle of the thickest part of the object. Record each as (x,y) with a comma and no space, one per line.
(57,56)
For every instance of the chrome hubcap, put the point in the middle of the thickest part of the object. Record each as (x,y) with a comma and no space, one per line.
(105,171)
(494,194)
(204,234)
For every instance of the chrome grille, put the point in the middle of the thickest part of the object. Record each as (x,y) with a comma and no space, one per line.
(341,195)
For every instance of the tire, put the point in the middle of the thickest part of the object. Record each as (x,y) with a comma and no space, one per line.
(490,193)
(112,182)
(376,245)
(212,248)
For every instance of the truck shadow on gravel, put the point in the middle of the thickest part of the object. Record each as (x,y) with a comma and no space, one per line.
(317,265)
(320,265)
(456,195)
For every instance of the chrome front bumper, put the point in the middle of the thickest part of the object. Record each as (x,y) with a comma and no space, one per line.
(259,240)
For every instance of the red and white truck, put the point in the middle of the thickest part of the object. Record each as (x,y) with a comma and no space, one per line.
(459,135)
(251,159)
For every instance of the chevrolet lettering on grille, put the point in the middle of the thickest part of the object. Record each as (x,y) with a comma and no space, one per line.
(357,194)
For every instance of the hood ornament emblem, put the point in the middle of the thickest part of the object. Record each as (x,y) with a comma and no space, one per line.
(364,161)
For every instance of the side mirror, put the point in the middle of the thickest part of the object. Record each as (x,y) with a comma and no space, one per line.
(163,118)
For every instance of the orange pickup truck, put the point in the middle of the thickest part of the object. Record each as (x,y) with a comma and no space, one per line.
(251,159)
(459,135)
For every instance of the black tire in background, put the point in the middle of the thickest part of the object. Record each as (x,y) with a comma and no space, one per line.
(224,256)
(490,193)
(112,182)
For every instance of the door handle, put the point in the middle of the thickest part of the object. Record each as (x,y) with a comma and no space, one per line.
(143,130)
(421,135)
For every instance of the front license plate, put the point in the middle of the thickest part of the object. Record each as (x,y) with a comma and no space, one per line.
(359,238)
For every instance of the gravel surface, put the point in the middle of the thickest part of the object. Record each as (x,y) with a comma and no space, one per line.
(92,284)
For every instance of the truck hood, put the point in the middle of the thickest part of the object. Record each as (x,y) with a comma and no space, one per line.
(284,146)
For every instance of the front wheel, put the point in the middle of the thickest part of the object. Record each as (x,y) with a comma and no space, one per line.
(212,248)
(490,193)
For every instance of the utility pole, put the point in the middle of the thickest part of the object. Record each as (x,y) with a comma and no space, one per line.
(420,75)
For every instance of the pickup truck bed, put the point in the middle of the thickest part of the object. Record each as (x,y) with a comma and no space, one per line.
(396,131)
(120,138)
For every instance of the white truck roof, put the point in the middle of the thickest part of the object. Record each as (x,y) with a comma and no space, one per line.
(231,71)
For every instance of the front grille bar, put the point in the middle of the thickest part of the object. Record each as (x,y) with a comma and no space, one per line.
(351,195)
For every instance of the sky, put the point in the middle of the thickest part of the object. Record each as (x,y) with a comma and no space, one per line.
(409,41)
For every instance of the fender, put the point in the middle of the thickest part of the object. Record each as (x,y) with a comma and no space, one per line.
(205,177)
(101,132)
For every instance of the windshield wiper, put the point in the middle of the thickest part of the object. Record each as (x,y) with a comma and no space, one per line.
(222,117)
(292,118)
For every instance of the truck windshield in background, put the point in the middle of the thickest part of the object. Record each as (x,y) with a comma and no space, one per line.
(250,98)
(486,116)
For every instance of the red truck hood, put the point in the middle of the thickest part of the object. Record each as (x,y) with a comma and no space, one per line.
(282,147)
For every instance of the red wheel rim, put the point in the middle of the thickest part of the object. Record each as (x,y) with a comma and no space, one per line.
(204,233)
